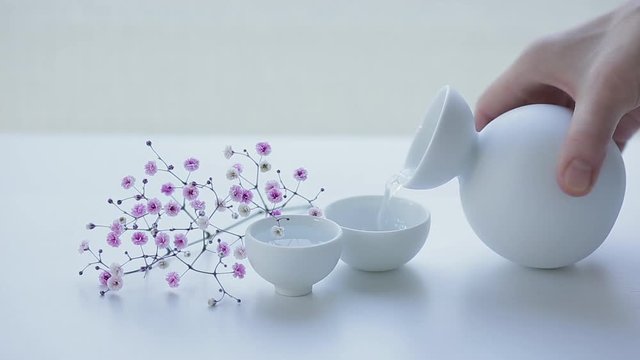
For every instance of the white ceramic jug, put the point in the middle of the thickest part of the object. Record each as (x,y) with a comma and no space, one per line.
(508,184)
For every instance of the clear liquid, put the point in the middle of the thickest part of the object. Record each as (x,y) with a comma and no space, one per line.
(390,189)
(294,242)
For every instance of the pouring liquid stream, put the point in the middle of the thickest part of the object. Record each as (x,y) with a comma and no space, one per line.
(391,188)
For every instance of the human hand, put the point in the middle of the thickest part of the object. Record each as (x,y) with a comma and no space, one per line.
(593,69)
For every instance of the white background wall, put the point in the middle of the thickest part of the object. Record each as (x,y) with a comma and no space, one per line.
(279,66)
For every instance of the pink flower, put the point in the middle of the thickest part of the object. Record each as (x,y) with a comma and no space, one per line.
(247,196)
(190,192)
(128,181)
(198,205)
(162,240)
(114,283)
(238,167)
(191,164)
(238,271)
(236,192)
(154,206)
(150,168)
(300,174)
(117,227)
(104,277)
(223,249)
(172,208)
(276,212)
(167,189)
(180,241)
(173,279)
(84,246)
(139,238)
(271,184)
(314,211)
(240,252)
(113,239)
(274,196)
(263,148)
(138,210)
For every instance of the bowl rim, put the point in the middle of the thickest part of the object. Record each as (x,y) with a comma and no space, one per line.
(295,216)
(426,220)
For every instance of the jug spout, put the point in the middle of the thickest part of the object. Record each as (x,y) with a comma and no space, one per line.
(444,144)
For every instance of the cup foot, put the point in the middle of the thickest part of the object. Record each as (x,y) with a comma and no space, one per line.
(299,291)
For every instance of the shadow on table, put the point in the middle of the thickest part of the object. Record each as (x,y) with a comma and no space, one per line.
(404,282)
(341,291)
(296,309)
(580,295)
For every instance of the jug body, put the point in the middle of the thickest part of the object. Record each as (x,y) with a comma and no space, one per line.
(513,203)
(507,177)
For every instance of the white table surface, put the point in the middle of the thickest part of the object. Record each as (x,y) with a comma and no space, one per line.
(456,299)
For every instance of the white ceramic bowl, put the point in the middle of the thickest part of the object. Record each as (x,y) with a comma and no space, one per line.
(306,254)
(364,246)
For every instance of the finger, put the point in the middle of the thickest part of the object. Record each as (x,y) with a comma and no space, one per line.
(528,80)
(508,92)
(628,126)
(533,94)
(595,118)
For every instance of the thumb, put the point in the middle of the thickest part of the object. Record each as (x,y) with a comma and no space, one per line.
(595,118)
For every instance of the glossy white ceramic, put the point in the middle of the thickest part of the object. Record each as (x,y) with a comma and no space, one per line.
(306,254)
(365,246)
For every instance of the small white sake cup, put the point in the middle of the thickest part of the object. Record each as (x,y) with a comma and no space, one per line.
(364,246)
(306,254)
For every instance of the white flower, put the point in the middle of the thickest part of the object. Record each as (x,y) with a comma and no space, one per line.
(264,166)
(244,210)
(116,270)
(114,283)
(277,231)
(202,222)
(234,216)
(232,173)
(84,246)
(222,206)
(163,264)
(212,302)
(228,152)
(315,211)
(240,252)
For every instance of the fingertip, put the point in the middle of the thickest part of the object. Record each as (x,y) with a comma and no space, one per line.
(594,121)
(501,96)
(577,176)
(481,119)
